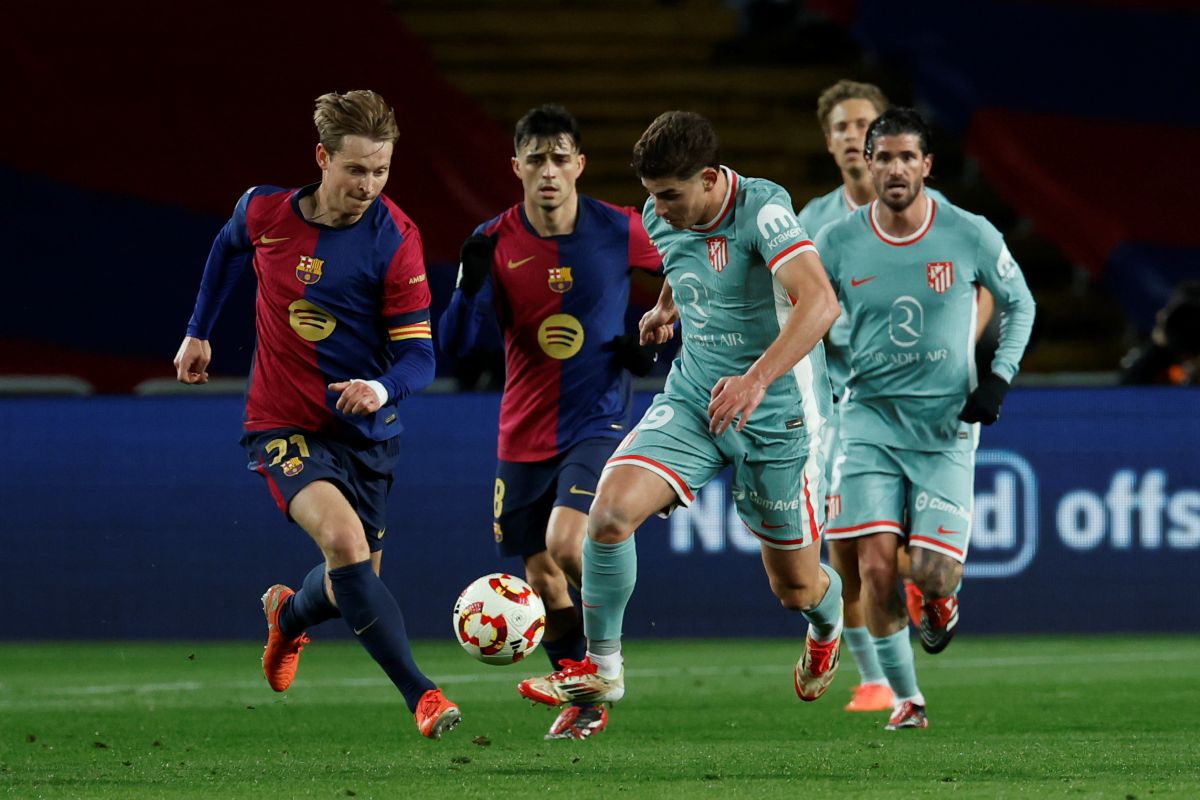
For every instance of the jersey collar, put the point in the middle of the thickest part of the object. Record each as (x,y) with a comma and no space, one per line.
(912,238)
(850,204)
(726,204)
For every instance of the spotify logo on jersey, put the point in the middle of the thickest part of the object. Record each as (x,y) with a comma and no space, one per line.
(560,335)
(312,322)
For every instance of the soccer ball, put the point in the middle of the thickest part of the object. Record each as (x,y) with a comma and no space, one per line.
(499,619)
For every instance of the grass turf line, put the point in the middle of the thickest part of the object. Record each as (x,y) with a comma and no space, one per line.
(1009,717)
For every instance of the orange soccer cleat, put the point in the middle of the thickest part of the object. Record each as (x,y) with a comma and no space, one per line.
(872,697)
(435,714)
(281,656)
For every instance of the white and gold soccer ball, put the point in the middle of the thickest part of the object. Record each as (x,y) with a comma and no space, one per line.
(499,619)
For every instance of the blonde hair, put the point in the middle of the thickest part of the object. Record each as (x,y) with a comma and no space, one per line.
(357,113)
(849,90)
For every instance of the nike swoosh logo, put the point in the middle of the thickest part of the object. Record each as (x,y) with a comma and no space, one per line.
(270,240)
(514,264)
(362,630)
(576,490)
(773,527)
(861,281)
(943,531)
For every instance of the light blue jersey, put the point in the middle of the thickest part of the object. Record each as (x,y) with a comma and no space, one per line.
(819,212)
(731,307)
(911,303)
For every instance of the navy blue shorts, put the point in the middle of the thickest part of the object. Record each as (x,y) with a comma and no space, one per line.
(290,459)
(527,491)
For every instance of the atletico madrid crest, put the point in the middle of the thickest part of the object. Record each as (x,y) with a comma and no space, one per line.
(560,279)
(718,252)
(833,506)
(940,275)
(308,271)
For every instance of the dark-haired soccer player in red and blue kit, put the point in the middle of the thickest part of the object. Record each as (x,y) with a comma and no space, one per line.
(554,271)
(344,335)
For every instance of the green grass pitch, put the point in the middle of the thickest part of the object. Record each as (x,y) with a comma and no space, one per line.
(1009,717)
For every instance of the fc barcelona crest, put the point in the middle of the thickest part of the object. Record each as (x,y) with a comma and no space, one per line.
(293,467)
(308,271)
(560,279)
(940,275)
(718,252)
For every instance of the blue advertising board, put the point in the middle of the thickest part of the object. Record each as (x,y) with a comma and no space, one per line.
(127,517)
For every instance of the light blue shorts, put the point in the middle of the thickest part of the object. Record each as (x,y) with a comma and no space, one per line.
(923,497)
(778,481)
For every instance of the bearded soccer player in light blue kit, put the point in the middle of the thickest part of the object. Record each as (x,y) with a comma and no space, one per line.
(747,389)
(845,110)
(906,269)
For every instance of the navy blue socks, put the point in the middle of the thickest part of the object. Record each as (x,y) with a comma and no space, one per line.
(568,645)
(373,614)
(308,607)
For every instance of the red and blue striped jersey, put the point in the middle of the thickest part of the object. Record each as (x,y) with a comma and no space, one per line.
(333,304)
(560,301)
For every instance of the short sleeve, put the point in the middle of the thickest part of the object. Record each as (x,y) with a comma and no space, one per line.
(778,234)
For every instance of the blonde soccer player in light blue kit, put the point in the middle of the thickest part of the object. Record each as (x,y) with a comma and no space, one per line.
(906,269)
(748,389)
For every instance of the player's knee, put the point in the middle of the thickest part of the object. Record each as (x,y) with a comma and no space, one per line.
(795,592)
(936,575)
(344,545)
(608,523)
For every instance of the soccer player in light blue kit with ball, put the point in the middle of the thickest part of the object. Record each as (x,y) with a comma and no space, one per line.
(906,268)
(748,389)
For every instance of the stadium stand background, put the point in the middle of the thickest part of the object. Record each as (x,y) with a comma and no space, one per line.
(1062,122)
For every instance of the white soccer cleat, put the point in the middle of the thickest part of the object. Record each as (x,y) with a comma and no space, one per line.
(576,682)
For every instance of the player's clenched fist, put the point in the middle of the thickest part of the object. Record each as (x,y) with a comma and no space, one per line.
(657,325)
(191,362)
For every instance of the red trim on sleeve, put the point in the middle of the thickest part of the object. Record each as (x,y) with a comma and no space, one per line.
(796,247)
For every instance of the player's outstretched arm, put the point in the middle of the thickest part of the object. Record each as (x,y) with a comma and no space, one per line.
(192,360)
(814,310)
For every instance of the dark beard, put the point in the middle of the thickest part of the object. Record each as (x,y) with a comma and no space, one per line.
(895,206)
